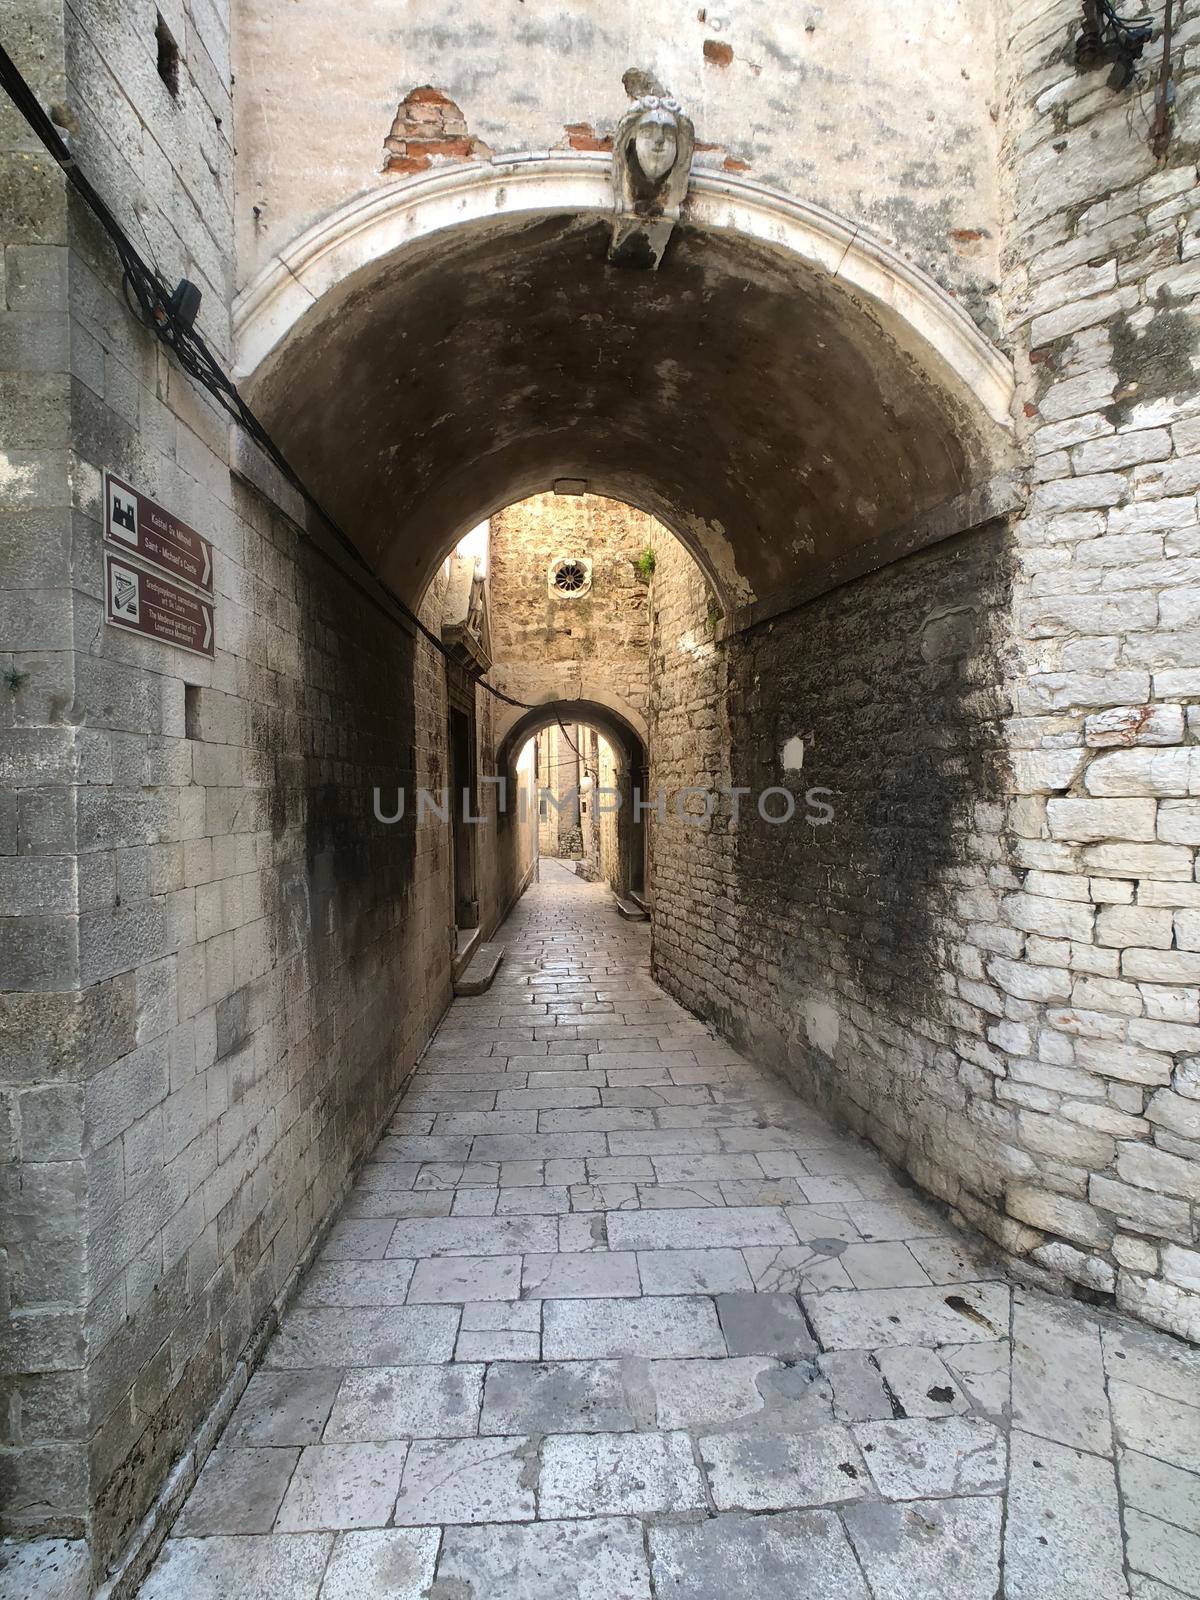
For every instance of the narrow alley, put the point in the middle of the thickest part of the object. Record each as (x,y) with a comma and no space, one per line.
(600,800)
(610,1313)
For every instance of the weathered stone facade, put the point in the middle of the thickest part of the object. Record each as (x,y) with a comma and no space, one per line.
(1005,724)
(919,168)
(204,928)
(554,644)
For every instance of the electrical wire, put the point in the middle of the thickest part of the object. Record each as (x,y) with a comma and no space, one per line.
(587,772)
(165,313)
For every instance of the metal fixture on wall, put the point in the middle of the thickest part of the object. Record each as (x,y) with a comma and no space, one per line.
(1164,94)
(1106,36)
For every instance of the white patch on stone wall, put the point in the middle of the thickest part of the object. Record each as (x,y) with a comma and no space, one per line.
(791,757)
(695,645)
(822,1025)
(15,477)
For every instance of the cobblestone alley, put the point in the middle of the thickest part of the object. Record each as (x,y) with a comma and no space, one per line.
(611,1314)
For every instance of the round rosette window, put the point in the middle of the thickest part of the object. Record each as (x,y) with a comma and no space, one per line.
(570,576)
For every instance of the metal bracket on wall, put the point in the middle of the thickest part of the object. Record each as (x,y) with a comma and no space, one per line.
(1106,36)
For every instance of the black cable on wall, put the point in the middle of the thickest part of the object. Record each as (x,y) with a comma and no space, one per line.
(170,315)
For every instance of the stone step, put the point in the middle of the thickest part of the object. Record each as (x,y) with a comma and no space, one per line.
(466,943)
(639,899)
(630,909)
(483,966)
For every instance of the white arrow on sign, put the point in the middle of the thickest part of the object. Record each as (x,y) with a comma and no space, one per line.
(207,627)
(204,577)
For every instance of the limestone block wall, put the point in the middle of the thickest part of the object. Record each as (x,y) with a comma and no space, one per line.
(589,817)
(1097,1030)
(988,959)
(51,1037)
(823,945)
(291,961)
(525,822)
(607,820)
(691,875)
(82,765)
(217,966)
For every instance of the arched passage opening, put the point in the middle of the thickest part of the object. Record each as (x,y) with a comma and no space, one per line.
(812,420)
(783,391)
(593,787)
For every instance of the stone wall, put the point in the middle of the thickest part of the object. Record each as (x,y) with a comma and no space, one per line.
(691,874)
(218,966)
(606,816)
(51,1036)
(988,960)
(1095,1035)
(549,644)
(282,924)
(817,102)
(821,945)
(589,818)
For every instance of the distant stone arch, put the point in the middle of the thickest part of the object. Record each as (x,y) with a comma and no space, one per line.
(625,730)
(621,724)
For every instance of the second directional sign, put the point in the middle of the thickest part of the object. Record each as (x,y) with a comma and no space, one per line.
(146,530)
(142,602)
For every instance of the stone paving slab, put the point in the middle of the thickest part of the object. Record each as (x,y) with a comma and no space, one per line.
(358,1337)
(774,1472)
(381,1564)
(603,1556)
(741,1557)
(468,1480)
(576,1330)
(343,1486)
(240,1490)
(611,1315)
(283,1408)
(1063,1538)
(922,1548)
(557,1397)
(389,1403)
(593,1474)
(60,1568)
(263,1568)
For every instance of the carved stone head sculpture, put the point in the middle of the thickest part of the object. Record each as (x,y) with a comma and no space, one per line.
(655,147)
(652,159)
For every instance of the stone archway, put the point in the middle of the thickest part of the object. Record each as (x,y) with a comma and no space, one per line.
(625,730)
(467,338)
(798,406)
(620,723)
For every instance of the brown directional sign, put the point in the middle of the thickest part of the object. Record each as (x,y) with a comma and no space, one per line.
(143,528)
(145,603)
